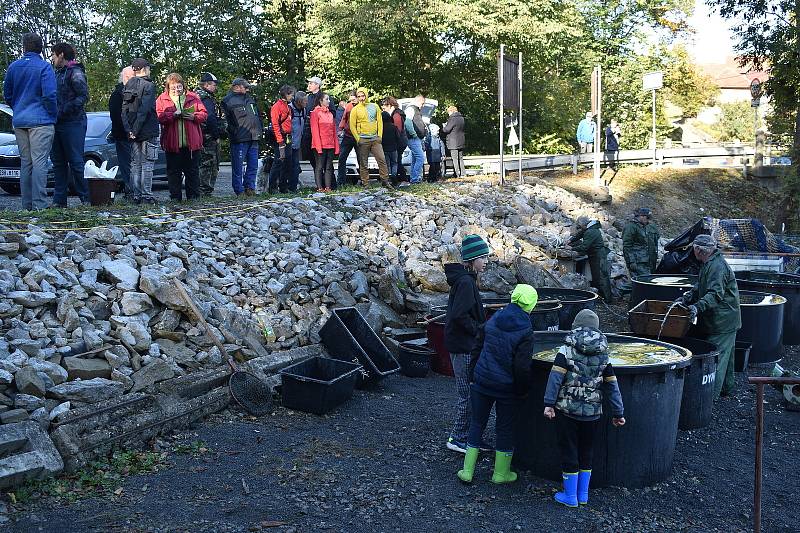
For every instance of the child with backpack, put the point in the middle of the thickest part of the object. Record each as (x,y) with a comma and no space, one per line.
(434,150)
(501,379)
(581,374)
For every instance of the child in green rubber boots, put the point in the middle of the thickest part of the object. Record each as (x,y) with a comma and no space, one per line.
(501,377)
(574,397)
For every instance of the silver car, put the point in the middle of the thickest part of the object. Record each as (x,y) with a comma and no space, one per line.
(98,147)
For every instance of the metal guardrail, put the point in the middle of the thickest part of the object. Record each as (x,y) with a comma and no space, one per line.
(664,157)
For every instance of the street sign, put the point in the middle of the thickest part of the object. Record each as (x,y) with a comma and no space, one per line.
(755,102)
(594,87)
(756,89)
(508,82)
(513,139)
(653,81)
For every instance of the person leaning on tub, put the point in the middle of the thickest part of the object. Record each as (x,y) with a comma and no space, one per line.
(580,375)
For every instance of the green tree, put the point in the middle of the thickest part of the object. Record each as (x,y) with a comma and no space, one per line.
(685,86)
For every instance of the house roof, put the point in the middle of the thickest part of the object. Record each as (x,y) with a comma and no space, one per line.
(729,75)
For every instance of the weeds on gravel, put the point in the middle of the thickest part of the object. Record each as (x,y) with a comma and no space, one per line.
(194,448)
(99,477)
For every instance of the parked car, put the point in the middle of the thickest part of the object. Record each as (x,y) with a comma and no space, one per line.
(98,147)
(427,112)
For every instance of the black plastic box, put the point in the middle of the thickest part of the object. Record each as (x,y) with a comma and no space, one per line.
(348,337)
(318,385)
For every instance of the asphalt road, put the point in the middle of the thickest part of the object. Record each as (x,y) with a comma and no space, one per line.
(222,188)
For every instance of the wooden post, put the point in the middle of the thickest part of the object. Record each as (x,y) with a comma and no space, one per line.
(759,454)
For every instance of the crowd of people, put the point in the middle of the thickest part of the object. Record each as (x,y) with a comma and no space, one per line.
(49,105)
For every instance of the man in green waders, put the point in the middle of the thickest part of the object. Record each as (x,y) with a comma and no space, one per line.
(715,301)
(640,243)
(589,241)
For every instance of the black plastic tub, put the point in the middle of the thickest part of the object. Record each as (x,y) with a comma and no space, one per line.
(644,288)
(415,358)
(545,316)
(348,337)
(318,385)
(786,285)
(638,454)
(572,302)
(741,354)
(762,326)
(697,401)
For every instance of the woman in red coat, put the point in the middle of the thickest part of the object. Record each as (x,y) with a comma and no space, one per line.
(180,113)
(325,143)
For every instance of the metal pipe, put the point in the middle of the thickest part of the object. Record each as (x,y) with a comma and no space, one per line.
(760,382)
(502,110)
(519,80)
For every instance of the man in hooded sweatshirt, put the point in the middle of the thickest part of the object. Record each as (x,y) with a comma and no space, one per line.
(366,126)
(501,379)
(462,327)
(72,92)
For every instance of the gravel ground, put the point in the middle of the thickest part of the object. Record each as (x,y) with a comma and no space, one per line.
(378,463)
(222,188)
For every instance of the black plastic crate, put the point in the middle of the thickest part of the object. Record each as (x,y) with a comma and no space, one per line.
(348,337)
(319,384)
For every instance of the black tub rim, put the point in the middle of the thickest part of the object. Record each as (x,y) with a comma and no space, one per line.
(594,295)
(740,276)
(761,294)
(705,355)
(546,308)
(656,368)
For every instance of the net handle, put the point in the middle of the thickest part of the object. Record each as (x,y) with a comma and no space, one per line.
(199,317)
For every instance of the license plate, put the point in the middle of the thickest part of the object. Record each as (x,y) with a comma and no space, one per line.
(372,165)
(9,173)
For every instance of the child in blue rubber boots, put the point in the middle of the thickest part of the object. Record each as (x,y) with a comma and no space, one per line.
(574,397)
(501,377)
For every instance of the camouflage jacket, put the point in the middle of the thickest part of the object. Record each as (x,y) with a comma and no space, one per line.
(579,374)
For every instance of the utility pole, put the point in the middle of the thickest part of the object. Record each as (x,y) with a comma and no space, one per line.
(596,105)
(502,110)
(519,115)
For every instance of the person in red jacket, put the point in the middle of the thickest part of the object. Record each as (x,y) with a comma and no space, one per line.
(281,117)
(325,142)
(180,113)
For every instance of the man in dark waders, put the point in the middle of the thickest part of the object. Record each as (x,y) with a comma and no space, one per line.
(640,243)
(589,241)
(715,301)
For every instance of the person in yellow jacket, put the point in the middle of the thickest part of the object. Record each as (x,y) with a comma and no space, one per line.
(366,126)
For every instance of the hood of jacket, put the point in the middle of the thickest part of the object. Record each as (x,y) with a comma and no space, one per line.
(366,93)
(456,271)
(512,318)
(589,341)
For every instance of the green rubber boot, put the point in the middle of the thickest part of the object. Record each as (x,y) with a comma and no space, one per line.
(470,458)
(502,468)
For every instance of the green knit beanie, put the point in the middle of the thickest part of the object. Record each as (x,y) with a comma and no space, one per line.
(473,247)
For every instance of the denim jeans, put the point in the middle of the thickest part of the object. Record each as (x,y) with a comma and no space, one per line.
(143,158)
(417,159)
(506,409)
(34,146)
(67,157)
(124,163)
(346,146)
(391,162)
(244,154)
(294,177)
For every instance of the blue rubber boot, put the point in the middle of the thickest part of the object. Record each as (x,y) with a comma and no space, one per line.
(583,486)
(570,495)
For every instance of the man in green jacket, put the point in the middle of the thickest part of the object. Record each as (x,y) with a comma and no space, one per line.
(640,243)
(589,241)
(715,300)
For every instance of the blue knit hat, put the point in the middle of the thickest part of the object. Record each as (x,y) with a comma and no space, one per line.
(473,247)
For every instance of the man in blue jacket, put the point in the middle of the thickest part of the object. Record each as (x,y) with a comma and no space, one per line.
(70,132)
(585,134)
(30,89)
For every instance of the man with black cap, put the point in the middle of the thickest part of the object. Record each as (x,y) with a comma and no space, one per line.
(715,301)
(244,127)
(640,243)
(210,154)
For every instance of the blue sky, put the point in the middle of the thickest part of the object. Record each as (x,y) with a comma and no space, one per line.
(713,40)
